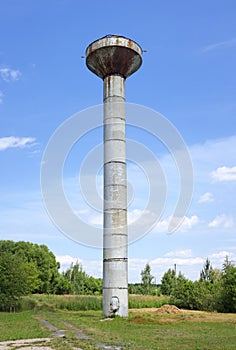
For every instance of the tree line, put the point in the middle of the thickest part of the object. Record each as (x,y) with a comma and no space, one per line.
(214,291)
(27,268)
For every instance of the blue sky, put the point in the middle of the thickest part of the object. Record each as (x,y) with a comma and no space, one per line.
(188,75)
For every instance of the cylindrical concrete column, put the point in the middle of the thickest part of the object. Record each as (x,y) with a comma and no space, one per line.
(115,240)
(114,58)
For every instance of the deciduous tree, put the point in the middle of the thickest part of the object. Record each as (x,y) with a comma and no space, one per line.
(146,278)
(168,282)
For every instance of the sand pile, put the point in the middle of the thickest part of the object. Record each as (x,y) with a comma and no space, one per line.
(169,309)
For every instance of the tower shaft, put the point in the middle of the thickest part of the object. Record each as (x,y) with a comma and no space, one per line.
(115,238)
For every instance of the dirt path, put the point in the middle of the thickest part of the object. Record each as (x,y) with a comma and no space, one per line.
(44,343)
(26,344)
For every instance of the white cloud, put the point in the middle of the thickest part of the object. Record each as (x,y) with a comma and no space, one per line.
(34,153)
(90,216)
(224,174)
(187,224)
(178,261)
(210,154)
(91,267)
(221,45)
(96,220)
(222,221)
(8,74)
(66,260)
(220,255)
(137,262)
(206,198)
(217,259)
(186,253)
(135,214)
(189,266)
(15,142)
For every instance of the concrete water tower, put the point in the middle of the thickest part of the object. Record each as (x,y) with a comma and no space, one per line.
(114,58)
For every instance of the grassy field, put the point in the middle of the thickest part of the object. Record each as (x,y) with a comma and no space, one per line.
(87,302)
(22,325)
(145,329)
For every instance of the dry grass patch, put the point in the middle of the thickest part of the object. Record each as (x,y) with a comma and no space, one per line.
(170,314)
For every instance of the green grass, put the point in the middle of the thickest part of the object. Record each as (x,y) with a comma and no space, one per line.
(147,331)
(146,301)
(87,302)
(67,302)
(143,330)
(20,325)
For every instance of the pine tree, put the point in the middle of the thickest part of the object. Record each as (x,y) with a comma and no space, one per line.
(207,272)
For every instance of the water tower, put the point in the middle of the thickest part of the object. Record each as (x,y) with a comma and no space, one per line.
(114,58)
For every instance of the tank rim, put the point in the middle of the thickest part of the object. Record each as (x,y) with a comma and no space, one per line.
(113,36)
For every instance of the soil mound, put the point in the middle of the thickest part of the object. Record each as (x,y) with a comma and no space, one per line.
(169,309)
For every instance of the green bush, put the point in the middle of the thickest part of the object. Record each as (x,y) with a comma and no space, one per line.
(195,296)
(25,304)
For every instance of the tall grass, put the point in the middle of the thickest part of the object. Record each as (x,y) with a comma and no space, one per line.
(146,301)
(26,304)
(68,302)
(84,302)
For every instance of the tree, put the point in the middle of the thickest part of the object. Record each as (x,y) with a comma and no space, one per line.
(146,279)
(182,295)
(40,264)
(93,285)
(17,278)
(47,267)
(31,268)
(207,272)
(76,278)
(228,291)
(168,282)
(63,285)
(76,281)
